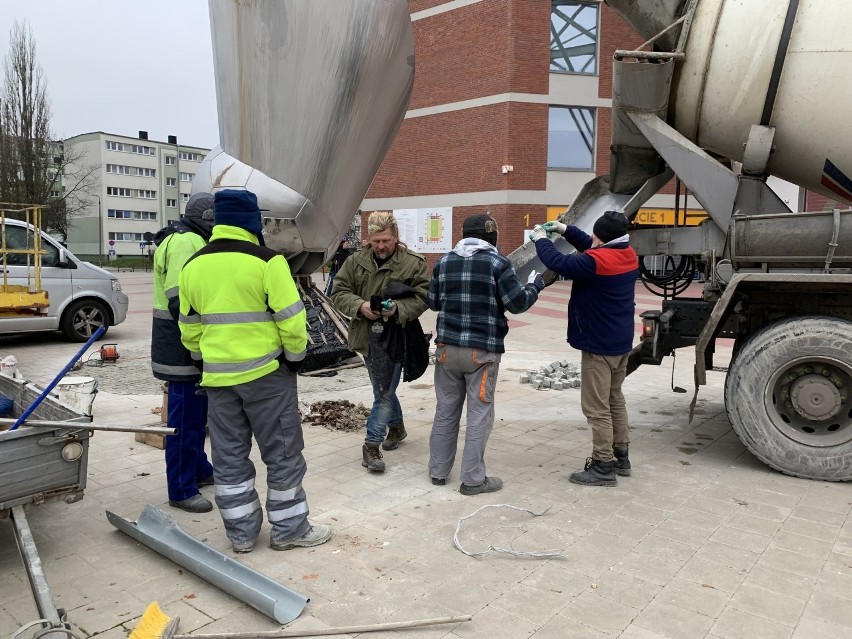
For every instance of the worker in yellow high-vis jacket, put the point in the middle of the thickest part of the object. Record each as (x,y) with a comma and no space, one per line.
(187,467)
(243,321)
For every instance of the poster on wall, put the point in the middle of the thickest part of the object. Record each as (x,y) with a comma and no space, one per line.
(426,230)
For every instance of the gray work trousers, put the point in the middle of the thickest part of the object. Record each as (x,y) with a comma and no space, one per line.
(462,373)
(603,402)
(266,408)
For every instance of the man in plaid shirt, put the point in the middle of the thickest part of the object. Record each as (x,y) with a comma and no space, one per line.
(472,287)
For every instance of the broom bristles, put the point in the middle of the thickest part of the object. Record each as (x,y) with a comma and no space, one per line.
(151,624)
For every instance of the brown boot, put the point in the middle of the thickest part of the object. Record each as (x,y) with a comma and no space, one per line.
(372,457)
(396,433)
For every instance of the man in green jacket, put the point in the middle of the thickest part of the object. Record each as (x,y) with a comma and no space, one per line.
(359,288)
(242,318)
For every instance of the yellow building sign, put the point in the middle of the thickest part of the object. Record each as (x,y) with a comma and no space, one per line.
(666,217)
(655,217)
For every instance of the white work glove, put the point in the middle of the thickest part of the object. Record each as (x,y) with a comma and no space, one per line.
(538,233)
(536,280)
(554,228)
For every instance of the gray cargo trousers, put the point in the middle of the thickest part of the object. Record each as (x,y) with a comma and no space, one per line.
(266,408)
(462,373)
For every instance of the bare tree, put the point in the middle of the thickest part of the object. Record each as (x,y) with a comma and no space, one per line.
(34,167)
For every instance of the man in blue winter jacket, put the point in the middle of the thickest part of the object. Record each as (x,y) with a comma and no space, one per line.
(601,325)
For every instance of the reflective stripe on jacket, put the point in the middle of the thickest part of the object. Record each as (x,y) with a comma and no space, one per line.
(240,309)
(170,361)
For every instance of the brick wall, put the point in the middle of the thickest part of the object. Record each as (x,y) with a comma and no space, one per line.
(483,49)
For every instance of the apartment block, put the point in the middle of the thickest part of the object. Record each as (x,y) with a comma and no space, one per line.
(143,185)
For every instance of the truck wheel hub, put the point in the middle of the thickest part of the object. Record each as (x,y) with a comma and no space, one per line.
(814,397)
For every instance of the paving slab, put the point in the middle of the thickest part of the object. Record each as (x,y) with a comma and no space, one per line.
(703,540)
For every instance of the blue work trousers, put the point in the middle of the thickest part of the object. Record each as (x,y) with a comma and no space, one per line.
(186,461)
(386,408)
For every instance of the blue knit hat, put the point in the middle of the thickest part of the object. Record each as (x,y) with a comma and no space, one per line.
(238,208)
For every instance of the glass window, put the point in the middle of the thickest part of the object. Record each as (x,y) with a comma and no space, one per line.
(574,37)
(170,159)
(571,138)
(171,181)
(17,237)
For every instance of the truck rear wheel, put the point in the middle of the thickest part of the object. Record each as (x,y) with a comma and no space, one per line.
(788,395)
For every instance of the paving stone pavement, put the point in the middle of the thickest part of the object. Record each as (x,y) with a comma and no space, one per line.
(702,540)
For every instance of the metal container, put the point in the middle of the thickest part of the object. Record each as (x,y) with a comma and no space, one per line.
(37,464)
(310,96)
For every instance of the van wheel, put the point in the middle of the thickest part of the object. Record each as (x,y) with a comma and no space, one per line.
(81,319)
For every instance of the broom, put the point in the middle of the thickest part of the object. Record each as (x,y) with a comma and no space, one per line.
(155,624)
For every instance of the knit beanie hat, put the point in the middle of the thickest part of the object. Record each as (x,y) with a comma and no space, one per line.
(238,208)
(609,226)
(483,227)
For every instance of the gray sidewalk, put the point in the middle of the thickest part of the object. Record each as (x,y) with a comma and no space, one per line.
(702,540)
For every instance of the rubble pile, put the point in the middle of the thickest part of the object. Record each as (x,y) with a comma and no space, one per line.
(559,375)
(337,415)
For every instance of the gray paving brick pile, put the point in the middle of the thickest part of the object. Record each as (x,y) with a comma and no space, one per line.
(703,540)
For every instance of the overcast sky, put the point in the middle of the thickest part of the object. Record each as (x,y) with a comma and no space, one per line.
(121,66)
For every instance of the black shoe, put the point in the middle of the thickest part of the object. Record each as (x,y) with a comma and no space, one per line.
(372,458)
(396,433)
(622,462)
(436,481)
(596,473)
(194,504)
(206,482)
(490,485)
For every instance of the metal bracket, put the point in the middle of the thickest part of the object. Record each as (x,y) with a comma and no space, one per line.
(158,531)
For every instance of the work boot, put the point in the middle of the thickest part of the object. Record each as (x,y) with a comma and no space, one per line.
(206,482)
(372,457)
(194,504)
(596,473)
(243,546)
(490,485)
(318,534)
(622,462)
(396,433)
(439,481)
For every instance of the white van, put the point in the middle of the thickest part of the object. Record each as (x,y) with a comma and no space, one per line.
(82,296)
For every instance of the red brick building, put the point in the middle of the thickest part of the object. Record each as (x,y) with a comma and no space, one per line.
(510,112)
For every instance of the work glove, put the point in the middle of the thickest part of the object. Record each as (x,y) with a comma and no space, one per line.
(536,280)
(538,233)
(388,308)
(554,228)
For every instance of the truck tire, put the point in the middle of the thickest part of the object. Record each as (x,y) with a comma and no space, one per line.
(82,318)
(788,395)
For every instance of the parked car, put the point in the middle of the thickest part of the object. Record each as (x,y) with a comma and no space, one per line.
(82,296)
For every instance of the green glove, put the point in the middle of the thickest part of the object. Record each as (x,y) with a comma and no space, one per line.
(554,228)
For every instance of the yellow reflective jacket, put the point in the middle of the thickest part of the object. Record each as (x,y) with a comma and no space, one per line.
(240,310)
(170,361)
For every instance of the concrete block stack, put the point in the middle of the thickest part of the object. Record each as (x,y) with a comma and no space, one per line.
(559,375)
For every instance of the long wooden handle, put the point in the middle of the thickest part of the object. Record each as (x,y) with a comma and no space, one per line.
(44,423)
(345,630)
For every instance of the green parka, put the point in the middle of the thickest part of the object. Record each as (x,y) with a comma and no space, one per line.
(360,278)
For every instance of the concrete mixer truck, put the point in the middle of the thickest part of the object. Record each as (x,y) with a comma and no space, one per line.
(723,94)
